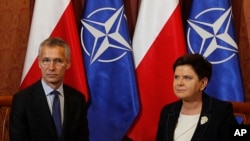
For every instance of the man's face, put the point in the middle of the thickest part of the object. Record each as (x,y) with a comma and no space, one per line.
(53,64)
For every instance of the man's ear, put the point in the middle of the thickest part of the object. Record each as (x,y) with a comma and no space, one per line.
(68,64)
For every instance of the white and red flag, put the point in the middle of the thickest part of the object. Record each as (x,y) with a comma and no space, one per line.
(53,18)
(158,41)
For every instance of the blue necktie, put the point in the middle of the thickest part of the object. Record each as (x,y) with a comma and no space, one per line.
(56,113)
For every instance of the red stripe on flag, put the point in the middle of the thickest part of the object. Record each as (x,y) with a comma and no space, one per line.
(32,76)
(155,76)
(66,29)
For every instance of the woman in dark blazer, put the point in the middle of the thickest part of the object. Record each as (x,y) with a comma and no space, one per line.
(196,116)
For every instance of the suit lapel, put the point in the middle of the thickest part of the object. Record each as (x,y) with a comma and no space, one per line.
(172,120)
(67,108)
(205,116)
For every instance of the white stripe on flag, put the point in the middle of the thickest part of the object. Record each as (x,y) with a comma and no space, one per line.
(153,23)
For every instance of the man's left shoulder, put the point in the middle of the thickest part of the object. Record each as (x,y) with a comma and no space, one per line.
(71,90)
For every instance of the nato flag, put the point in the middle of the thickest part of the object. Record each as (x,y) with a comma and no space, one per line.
(110,71)
(210,32)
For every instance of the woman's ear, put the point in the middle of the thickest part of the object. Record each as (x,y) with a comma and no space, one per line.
(204,82)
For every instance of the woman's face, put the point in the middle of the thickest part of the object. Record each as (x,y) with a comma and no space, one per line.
(187,85)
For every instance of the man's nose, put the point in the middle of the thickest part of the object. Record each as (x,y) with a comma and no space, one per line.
(52,64)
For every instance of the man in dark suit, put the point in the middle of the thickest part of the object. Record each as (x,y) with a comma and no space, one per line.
(32,112)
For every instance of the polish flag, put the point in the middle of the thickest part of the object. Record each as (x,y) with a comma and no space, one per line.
(53,18)
(158,41)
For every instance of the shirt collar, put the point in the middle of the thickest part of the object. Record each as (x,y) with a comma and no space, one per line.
(47,89)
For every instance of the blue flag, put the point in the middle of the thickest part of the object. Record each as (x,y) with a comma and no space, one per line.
(210,32)
(107,54)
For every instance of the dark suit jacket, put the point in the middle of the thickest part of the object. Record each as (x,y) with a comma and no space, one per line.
(31,120)
(217,128)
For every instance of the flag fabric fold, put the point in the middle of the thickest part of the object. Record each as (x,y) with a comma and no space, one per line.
(210,32)
(58,20)
(158,41)
(110,70)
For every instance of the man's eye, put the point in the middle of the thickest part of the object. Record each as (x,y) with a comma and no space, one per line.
(45,60)
(59,61)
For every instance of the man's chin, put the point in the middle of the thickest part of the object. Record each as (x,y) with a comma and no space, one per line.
(53,81)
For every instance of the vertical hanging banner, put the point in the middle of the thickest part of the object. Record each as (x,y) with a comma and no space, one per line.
(158,41)
(210,32)
(58,20)
(110,70)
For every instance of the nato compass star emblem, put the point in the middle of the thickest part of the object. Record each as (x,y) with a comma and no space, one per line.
(213,37)
(104,35)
